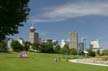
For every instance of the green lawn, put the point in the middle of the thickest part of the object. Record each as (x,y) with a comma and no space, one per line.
(42,62)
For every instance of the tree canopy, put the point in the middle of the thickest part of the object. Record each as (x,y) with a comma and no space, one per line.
(12,15)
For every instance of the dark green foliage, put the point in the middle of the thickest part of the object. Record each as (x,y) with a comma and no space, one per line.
(105,52)
(73,51)
(16,46)
(98,52)
(80,52)
(27,45)
(65,49)
(3,46)
(91,52)
(12,15)
(57,49)
(36,46)
(46,48)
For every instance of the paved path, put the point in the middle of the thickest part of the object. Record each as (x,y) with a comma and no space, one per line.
(79,61)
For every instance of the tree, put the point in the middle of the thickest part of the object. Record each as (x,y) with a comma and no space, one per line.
(57,49)
(36,46)
(91,52)
(46,47)
(105,52)
(98,52)
(65,49)
(17,46)
(12,15)
(27,45)
(2,46)
(73,51)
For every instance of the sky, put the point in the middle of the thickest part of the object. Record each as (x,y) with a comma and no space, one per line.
(54,19)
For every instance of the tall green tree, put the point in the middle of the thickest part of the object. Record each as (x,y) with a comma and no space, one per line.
(2,46)
(91,52)
(73,51)
(46,47)
(17,46)
(27,45)
(36,46)
(65,49)
(105,52)
(57,49)
(12,15)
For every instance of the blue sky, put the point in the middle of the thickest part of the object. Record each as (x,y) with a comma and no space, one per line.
(54,19)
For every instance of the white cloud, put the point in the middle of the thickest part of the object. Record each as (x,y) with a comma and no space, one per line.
(71,10)
(75,10)
(46,20)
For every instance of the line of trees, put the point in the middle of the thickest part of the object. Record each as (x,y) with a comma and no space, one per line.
(49,47)
(45,47)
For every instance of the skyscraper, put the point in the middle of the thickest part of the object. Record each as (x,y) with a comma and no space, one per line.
(73,40)
(95,45)
(33,35)
(81,46)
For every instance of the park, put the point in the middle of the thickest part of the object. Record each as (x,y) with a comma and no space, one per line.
(42,62)
(42,51)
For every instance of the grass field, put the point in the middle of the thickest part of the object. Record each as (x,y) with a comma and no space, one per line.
(42,62)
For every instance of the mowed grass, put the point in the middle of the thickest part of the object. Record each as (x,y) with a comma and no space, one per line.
(42,62)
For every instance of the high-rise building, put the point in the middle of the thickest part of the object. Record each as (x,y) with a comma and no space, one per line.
(33,35)
(94,44)
(73,40)
(81,46)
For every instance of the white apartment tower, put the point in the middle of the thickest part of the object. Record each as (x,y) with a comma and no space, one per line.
(33,35)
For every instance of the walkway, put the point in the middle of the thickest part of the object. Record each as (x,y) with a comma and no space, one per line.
(85,61)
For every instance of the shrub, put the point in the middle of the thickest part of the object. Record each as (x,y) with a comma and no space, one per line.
(103,57)
(46,48)
(91,52)
(105,52)
(3,46)
(16,46)
(73,51)
(57,49)
(64,50)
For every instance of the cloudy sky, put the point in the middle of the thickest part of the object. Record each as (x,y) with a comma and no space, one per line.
(54,19)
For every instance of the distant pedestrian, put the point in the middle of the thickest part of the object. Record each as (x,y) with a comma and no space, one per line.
(56,60)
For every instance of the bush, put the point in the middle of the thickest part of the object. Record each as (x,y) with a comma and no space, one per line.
(91,52)
(36,46)
(73,51)
(98,52)
(105,52)
(57,49)
(105,58)
(46,48)
(27,45)
(3,46)
(64,50)
(17,46)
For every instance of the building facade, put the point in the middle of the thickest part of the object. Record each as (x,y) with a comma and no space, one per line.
(81,46)
(94,44)
(33,35)
(73,40)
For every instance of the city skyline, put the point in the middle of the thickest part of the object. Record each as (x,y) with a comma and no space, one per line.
(55,19)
